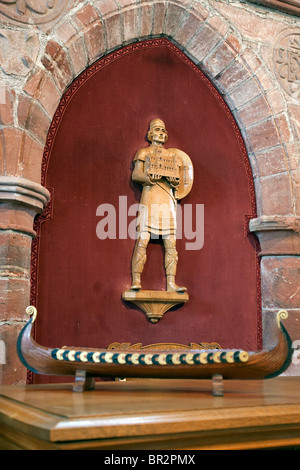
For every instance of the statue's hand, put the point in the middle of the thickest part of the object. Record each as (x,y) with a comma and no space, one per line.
(153,178)
(173,181)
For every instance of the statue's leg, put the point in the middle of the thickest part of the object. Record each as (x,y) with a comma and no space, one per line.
(171,260)
(139,259)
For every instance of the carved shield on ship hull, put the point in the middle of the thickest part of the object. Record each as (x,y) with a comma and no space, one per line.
(186,182)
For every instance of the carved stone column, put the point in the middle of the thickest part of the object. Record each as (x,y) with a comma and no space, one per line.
(279,238)
(20,201)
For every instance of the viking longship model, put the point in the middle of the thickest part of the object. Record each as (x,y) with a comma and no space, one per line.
(189,363)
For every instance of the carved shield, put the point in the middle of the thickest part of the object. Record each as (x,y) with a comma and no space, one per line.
(187,179)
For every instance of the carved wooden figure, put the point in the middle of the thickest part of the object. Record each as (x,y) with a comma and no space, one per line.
(166,176)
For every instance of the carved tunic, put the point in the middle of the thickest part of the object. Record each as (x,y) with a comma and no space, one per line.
(157,210)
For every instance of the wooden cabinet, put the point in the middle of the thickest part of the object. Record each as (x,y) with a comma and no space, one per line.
(152,414)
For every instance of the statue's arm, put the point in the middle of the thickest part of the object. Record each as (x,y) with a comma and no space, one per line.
(139,175)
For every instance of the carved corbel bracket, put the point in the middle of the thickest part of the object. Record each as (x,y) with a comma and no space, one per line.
(277,234)
(155,303)
(20,201)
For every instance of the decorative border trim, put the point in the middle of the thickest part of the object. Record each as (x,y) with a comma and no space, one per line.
(160,346)
(47,214)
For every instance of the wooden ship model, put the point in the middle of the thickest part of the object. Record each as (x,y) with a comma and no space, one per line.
(85,364)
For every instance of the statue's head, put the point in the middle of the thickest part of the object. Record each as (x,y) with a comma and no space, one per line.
(157,131)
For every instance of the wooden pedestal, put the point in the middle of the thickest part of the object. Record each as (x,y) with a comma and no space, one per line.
(155,303)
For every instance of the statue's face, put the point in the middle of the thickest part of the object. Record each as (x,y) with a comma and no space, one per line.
(158,134)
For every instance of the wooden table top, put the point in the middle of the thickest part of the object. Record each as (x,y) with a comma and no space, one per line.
(162,414)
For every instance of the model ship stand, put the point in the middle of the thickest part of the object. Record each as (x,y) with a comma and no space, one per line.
(84,383)
(155,303)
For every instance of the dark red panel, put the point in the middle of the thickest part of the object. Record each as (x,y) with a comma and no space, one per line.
(81,278)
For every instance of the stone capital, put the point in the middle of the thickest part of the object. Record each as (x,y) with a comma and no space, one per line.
(20,201)
(23,191)
(279,235)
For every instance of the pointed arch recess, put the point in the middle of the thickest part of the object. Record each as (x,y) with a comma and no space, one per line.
(61,109)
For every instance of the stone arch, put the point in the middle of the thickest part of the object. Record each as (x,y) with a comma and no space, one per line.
(95,30)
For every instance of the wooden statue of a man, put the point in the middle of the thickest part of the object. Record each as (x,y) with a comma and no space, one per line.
(165,177)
